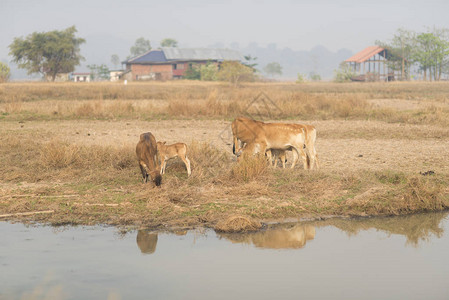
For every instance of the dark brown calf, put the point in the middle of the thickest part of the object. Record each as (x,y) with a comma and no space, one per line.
(146,151)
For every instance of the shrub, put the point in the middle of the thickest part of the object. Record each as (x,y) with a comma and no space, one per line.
(301,78)
(208,72)
(193,72)
(314,77)
(234,72)
(344,73)
(5,72)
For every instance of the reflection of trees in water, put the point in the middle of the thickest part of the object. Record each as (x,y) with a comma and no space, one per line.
(278,237)
(417,227)
(146,241)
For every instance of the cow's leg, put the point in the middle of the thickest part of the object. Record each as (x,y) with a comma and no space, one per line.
(283,158)
(261,148)
(144,174)
(163,165)
(275,162)
(295,157)
(299,152)
(305,158)
(270,156)
(187,163)
(145,171)
(313,158)
(316,161)
(235,145)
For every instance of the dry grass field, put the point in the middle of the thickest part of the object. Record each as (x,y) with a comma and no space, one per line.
(69,150)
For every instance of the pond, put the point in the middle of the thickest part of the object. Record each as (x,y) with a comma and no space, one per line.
(374,258)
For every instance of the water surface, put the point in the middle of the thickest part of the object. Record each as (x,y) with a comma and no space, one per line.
(377,258)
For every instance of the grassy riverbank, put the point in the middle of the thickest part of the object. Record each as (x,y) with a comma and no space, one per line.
(69,150)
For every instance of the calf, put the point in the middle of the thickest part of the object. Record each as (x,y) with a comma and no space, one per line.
(275,154)
(167,152)
(146,151)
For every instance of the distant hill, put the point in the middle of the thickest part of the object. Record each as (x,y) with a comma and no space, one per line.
(318,60)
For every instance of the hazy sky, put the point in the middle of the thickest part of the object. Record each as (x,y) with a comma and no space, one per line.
(299,25)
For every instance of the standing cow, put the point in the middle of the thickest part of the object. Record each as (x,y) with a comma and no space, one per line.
(262,137)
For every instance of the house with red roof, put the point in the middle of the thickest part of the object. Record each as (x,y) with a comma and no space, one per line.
(172,63)
(371,64)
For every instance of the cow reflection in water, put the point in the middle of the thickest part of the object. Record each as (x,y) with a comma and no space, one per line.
(146,241)
(277,238)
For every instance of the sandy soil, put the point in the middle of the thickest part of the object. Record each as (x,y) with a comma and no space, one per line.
(341,145)
(403,104)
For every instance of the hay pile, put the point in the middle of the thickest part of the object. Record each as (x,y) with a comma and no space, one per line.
(238,224)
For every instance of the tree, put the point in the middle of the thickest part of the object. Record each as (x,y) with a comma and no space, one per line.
(5,72)
(250,61)
(441,51)
(48,53)
(169,43)
(273,69)
(234,72)
(423,53)
(314,76)
(401,51)
(100,72)
(140,47)
(432,52)
(208,72)
(115,60)
(301,78)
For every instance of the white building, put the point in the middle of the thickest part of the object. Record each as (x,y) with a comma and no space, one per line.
(115,74)
(81,77)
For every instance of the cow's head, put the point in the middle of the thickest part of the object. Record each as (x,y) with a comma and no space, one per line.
(159,145)
(156,177)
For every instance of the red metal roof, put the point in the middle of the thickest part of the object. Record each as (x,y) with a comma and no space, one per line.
(365,54)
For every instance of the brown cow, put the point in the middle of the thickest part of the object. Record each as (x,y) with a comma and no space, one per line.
(146,151)
(260,136)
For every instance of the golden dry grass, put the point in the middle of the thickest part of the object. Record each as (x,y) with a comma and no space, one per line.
(216,100)
(237,224)
(71,148)
(249,168)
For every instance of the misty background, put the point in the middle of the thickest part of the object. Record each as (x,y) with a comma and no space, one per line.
(302,36)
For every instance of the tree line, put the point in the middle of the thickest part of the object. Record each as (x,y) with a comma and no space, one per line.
(427,51)
(58,51)
(55,52)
